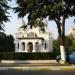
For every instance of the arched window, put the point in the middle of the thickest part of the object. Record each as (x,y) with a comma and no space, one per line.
(23,46)
(37,47)
(18,45)
(45,45)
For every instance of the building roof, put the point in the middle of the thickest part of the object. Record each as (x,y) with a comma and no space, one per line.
(31,38)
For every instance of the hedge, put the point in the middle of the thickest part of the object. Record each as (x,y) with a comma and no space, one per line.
(27,56)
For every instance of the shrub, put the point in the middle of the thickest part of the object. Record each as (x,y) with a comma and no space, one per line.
(27,56)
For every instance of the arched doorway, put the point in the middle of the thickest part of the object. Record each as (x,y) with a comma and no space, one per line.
(23,46)
(30,47)
(37,47)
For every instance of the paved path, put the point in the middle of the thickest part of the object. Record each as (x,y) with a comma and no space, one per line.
(28,61)
(34,65)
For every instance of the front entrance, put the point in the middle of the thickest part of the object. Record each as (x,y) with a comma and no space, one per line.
(30,47)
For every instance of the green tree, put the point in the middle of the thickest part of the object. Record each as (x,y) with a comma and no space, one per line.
(10,43)
(6,43)
(38,22)
(56,45)
(72,47)
(57,10)
(69,44)
(4,7)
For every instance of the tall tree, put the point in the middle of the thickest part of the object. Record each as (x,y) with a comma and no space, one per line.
(57,10)
(4,7)
(69,44)
(6,43)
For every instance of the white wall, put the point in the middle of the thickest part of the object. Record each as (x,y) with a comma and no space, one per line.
(47,39)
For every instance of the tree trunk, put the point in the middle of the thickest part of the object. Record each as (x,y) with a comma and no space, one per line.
(61,31)
(62,50)
(62,44)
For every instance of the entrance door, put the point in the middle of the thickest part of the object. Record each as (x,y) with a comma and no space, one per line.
(30,47)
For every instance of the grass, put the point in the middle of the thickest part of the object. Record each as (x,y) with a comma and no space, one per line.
(69,68)
(35,65)
(42,69)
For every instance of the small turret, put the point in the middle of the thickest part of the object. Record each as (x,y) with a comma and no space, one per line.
(22,26)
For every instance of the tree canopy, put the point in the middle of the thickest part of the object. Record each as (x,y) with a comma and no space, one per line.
(6,43)
(69,44)
(57,10)
(4,7)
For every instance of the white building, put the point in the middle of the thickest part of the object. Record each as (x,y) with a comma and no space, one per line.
(72,31)
(33,40)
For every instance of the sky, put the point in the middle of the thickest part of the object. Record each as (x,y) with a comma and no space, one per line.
(11,27)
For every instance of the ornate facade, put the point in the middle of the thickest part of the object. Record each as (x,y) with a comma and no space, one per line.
(32,40)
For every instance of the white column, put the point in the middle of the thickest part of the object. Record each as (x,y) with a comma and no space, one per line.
(40,46)
(26,47)
(33,47)
(16,47)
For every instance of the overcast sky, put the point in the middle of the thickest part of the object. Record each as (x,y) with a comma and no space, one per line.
(11,27)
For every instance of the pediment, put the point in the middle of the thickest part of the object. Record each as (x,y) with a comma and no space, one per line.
(31,35)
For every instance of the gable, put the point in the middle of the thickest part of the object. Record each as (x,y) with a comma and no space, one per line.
(31,35)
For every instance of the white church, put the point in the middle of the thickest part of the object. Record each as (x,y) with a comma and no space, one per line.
(33,40)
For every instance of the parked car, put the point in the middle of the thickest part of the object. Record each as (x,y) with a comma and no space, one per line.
(70,58)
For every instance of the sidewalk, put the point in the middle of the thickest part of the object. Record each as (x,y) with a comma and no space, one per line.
(39,68)
(28,61)
(36,65)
